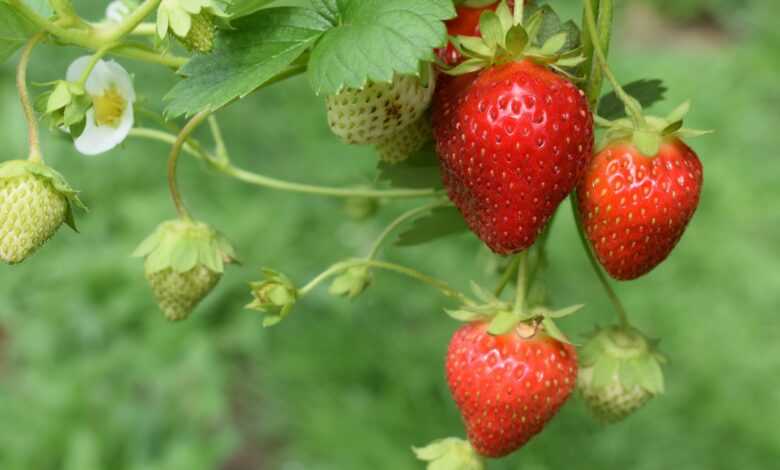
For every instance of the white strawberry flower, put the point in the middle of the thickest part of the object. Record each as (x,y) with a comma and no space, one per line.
(116,11)
(111,117)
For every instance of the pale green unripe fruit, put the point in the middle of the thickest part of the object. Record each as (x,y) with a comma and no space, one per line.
(34,202)
(612,403)
(404,143)
(202,33)
(378,110)
(620,372)
(184,261)
(178,294)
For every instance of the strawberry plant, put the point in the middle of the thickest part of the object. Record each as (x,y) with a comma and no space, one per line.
(490,113)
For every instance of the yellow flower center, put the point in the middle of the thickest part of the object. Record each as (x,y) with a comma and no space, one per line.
(109,107)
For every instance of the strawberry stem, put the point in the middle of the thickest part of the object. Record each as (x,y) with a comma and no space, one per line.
(600,43)
(616,303)
(522,282)
(93,62)
(35,154)
(604,12)
(173,160)
(192,147)
(599,40)
(510,271)
(406,216)
(343,266)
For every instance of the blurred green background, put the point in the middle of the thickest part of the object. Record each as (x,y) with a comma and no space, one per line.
(92,377)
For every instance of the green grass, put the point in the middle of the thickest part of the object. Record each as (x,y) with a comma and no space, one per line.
(94,378)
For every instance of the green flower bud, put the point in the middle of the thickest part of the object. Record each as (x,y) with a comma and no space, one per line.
(352,283)
(275,296)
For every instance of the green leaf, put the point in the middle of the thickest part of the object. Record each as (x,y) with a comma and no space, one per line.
(375,39)
(14,31)
(258,48)
(239,8)
(647,92)
(421,170)
(441,222)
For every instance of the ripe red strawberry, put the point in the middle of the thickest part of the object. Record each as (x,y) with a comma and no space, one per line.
(513,141)
(635,208)
(508,387)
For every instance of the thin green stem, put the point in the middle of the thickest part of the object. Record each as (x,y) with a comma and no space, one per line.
(189,147)
(338,268)
(66,15)
(193,148)
(265,181)
(144,55)
(94,39)
(522,282)
(541,252)
(509,273)
(74,36)
(633,108)
(403,218)
(173,159)
(93,61)
(604,11)
(220,149)
(617,304)
(130,22)
(33,137)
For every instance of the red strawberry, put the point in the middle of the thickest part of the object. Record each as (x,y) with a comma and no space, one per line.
(513,141)
(508,387)
(636,208)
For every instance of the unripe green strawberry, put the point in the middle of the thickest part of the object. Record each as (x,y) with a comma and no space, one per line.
(379,110)
(34,201)
(184,262)
(404,143)
(620,371)
(178,294)
(200,37)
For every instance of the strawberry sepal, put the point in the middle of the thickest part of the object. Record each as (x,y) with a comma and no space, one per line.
(450,454)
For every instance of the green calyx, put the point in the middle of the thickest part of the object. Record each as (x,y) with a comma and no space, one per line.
(182,245)
(66,105)
(504,318)
(647,133)
(450,454)
(352,283)
(25,168)
(626,355)
(275,296)
(506,36)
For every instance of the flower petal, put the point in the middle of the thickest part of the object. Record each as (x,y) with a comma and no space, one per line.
(100,139)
